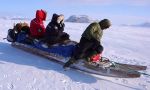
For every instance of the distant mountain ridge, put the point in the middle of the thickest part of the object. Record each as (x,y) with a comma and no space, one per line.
(14,18)
(20,19)
(145,24)
(80,19)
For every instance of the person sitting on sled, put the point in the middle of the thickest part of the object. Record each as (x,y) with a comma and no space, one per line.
(55,30)
(90,42)
(37,28)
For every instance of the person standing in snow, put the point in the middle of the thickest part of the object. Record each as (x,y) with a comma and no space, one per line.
(90,42)
(37,28)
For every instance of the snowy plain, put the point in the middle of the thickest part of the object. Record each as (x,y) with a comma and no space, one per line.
(20,70)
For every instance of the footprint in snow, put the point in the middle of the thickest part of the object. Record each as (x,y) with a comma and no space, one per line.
(10,86)
(124,81)
(143,86)
(5,76)
(63,81)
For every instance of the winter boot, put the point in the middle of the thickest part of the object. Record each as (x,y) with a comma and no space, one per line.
(67,64)
(44,45)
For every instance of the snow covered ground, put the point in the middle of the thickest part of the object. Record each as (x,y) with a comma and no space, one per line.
(20,70)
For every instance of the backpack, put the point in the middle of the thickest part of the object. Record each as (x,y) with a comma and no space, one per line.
(11,36)
(18,28)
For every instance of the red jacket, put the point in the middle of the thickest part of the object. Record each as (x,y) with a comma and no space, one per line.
(37,28)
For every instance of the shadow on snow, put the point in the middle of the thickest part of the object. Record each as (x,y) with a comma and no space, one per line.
(13,55)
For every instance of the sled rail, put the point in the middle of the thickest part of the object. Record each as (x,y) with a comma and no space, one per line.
(111,72)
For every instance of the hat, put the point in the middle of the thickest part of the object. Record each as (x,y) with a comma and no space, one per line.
(105,23)
(54,17)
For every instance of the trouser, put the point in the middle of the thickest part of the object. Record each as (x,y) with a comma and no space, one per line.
(53,39)
(84,49)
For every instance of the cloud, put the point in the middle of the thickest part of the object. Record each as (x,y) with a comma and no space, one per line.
(108,2)
(138,2)
(87,1)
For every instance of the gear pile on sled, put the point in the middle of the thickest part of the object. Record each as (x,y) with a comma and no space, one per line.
(61,52)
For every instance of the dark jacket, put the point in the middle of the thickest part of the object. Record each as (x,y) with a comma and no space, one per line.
(54,28)
(93,32)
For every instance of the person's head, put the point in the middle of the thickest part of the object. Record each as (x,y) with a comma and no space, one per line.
(57,18)
(104,24)
(54,17)
(41,14)
(60,19)
(44,14)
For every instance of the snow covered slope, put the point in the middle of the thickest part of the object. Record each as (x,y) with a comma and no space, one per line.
(23,71)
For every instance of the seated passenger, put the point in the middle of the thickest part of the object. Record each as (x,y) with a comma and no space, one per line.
(55,30)
(37,28)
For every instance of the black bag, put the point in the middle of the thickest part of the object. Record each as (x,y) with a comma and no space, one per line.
(64,36)
(12,35)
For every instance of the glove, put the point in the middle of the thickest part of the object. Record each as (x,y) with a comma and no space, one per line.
(39,30)
(99,49)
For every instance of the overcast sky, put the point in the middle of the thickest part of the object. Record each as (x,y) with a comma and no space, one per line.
(119,11)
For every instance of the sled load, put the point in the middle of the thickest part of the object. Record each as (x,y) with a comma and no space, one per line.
(61,52)
(55,45)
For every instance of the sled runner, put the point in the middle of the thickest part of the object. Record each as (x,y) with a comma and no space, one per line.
(109,68)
